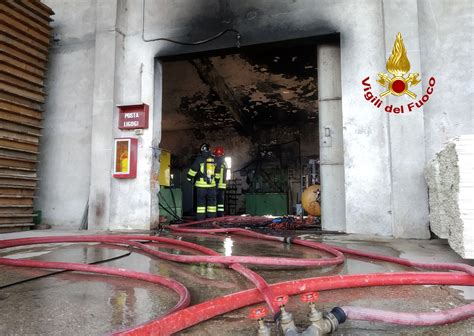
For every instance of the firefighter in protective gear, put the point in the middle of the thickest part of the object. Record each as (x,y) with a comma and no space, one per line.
(221,170)
(202,171)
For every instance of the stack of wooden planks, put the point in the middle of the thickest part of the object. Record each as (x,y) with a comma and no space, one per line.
(24,45)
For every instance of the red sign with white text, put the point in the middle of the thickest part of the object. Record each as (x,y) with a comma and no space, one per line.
(133,116)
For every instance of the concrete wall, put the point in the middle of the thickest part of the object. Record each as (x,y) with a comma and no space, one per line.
(446,54)
(65,154)
(375,196)
(103,111)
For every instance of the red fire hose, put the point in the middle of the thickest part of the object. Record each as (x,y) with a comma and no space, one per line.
(183,318)
(201,312)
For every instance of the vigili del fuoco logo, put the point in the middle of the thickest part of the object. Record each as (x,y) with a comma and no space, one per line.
(398,82)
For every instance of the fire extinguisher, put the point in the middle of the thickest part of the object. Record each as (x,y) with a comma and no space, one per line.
(124,162)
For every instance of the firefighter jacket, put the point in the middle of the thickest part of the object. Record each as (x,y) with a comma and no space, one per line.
(203,171)
(221,170)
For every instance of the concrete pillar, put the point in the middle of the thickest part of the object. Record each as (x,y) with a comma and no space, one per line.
(407,131)
(156,139)
(133,202)
(365,128)
(333,213)
(103,108)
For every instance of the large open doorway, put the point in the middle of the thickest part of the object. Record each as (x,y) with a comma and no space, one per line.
(261,104)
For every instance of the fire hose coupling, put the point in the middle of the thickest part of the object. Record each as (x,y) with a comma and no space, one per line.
(339,314)
(258,314)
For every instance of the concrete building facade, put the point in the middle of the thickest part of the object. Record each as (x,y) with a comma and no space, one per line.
(100,60)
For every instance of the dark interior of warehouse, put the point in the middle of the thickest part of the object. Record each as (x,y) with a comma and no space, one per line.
(260,105)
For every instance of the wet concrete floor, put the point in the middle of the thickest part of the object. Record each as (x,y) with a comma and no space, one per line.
(75,303)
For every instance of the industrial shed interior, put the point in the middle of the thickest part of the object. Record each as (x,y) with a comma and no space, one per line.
(215,167)
(230,101)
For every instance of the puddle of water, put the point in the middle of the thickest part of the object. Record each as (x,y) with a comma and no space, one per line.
(228,243)
(27,254)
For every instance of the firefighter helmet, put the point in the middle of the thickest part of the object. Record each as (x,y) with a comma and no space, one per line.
(218,151)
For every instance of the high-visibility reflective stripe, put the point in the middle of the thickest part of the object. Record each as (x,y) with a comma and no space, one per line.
(211,209)
(222,186)
(201,209)
(202,184)
(192,172)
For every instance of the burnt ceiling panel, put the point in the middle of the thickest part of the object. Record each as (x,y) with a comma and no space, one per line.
(258,88)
